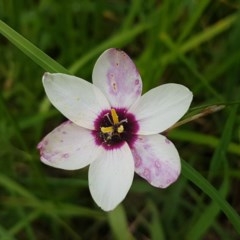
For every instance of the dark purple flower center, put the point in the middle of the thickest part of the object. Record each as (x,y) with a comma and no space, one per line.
(115,127)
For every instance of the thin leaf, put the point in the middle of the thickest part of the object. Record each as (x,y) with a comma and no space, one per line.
(118,223)
(38,56)
(195,177)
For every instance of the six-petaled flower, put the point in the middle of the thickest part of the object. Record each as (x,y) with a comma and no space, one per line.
(113,128)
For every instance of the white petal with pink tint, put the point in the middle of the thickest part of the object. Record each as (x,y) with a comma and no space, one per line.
(116,75)
(79,100)
(156,160)
(111,176)
(161,107)
(69,147)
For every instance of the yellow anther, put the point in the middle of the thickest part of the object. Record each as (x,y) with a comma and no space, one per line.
(120,129)
(114,116)
(107,129)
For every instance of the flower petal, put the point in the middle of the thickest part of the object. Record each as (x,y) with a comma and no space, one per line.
(111,176)
(156,160)
(116,75)
(69,147)
(161,107)
(77,99)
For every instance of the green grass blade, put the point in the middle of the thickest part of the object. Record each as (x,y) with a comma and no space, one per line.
(202,139)
(118,223)
(117,40)
(156,227)
(23,222)
(220,152)
(206,219)
(38,56)
(200,38)
(11,185)
(176,51)
(195,177)
(5,235)
(198,10)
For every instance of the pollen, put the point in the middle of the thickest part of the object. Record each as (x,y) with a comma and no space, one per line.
(114,116)
(120,129)
(107,129)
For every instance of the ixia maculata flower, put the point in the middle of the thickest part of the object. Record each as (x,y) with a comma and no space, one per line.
(113,128)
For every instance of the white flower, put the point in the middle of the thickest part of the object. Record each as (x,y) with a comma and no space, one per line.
(113,128)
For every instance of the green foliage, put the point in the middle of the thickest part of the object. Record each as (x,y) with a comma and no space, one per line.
(195,43)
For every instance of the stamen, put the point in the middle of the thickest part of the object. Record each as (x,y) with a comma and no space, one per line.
(107,129)
(109,119)
(120,129)
(124,120)
(114,116)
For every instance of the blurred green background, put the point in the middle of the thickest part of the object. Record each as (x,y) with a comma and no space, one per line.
(192,42)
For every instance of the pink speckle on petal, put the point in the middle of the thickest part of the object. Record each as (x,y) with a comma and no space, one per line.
(147,174)
(167,141)
(157,164)
(49,156)
(137,81)
(157,167)
(39,146)
(113,83)
(146,146)
(139,91)
(65,155)
(114,86)
(169,181)
(67,122)
(140,138)
(138,161)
